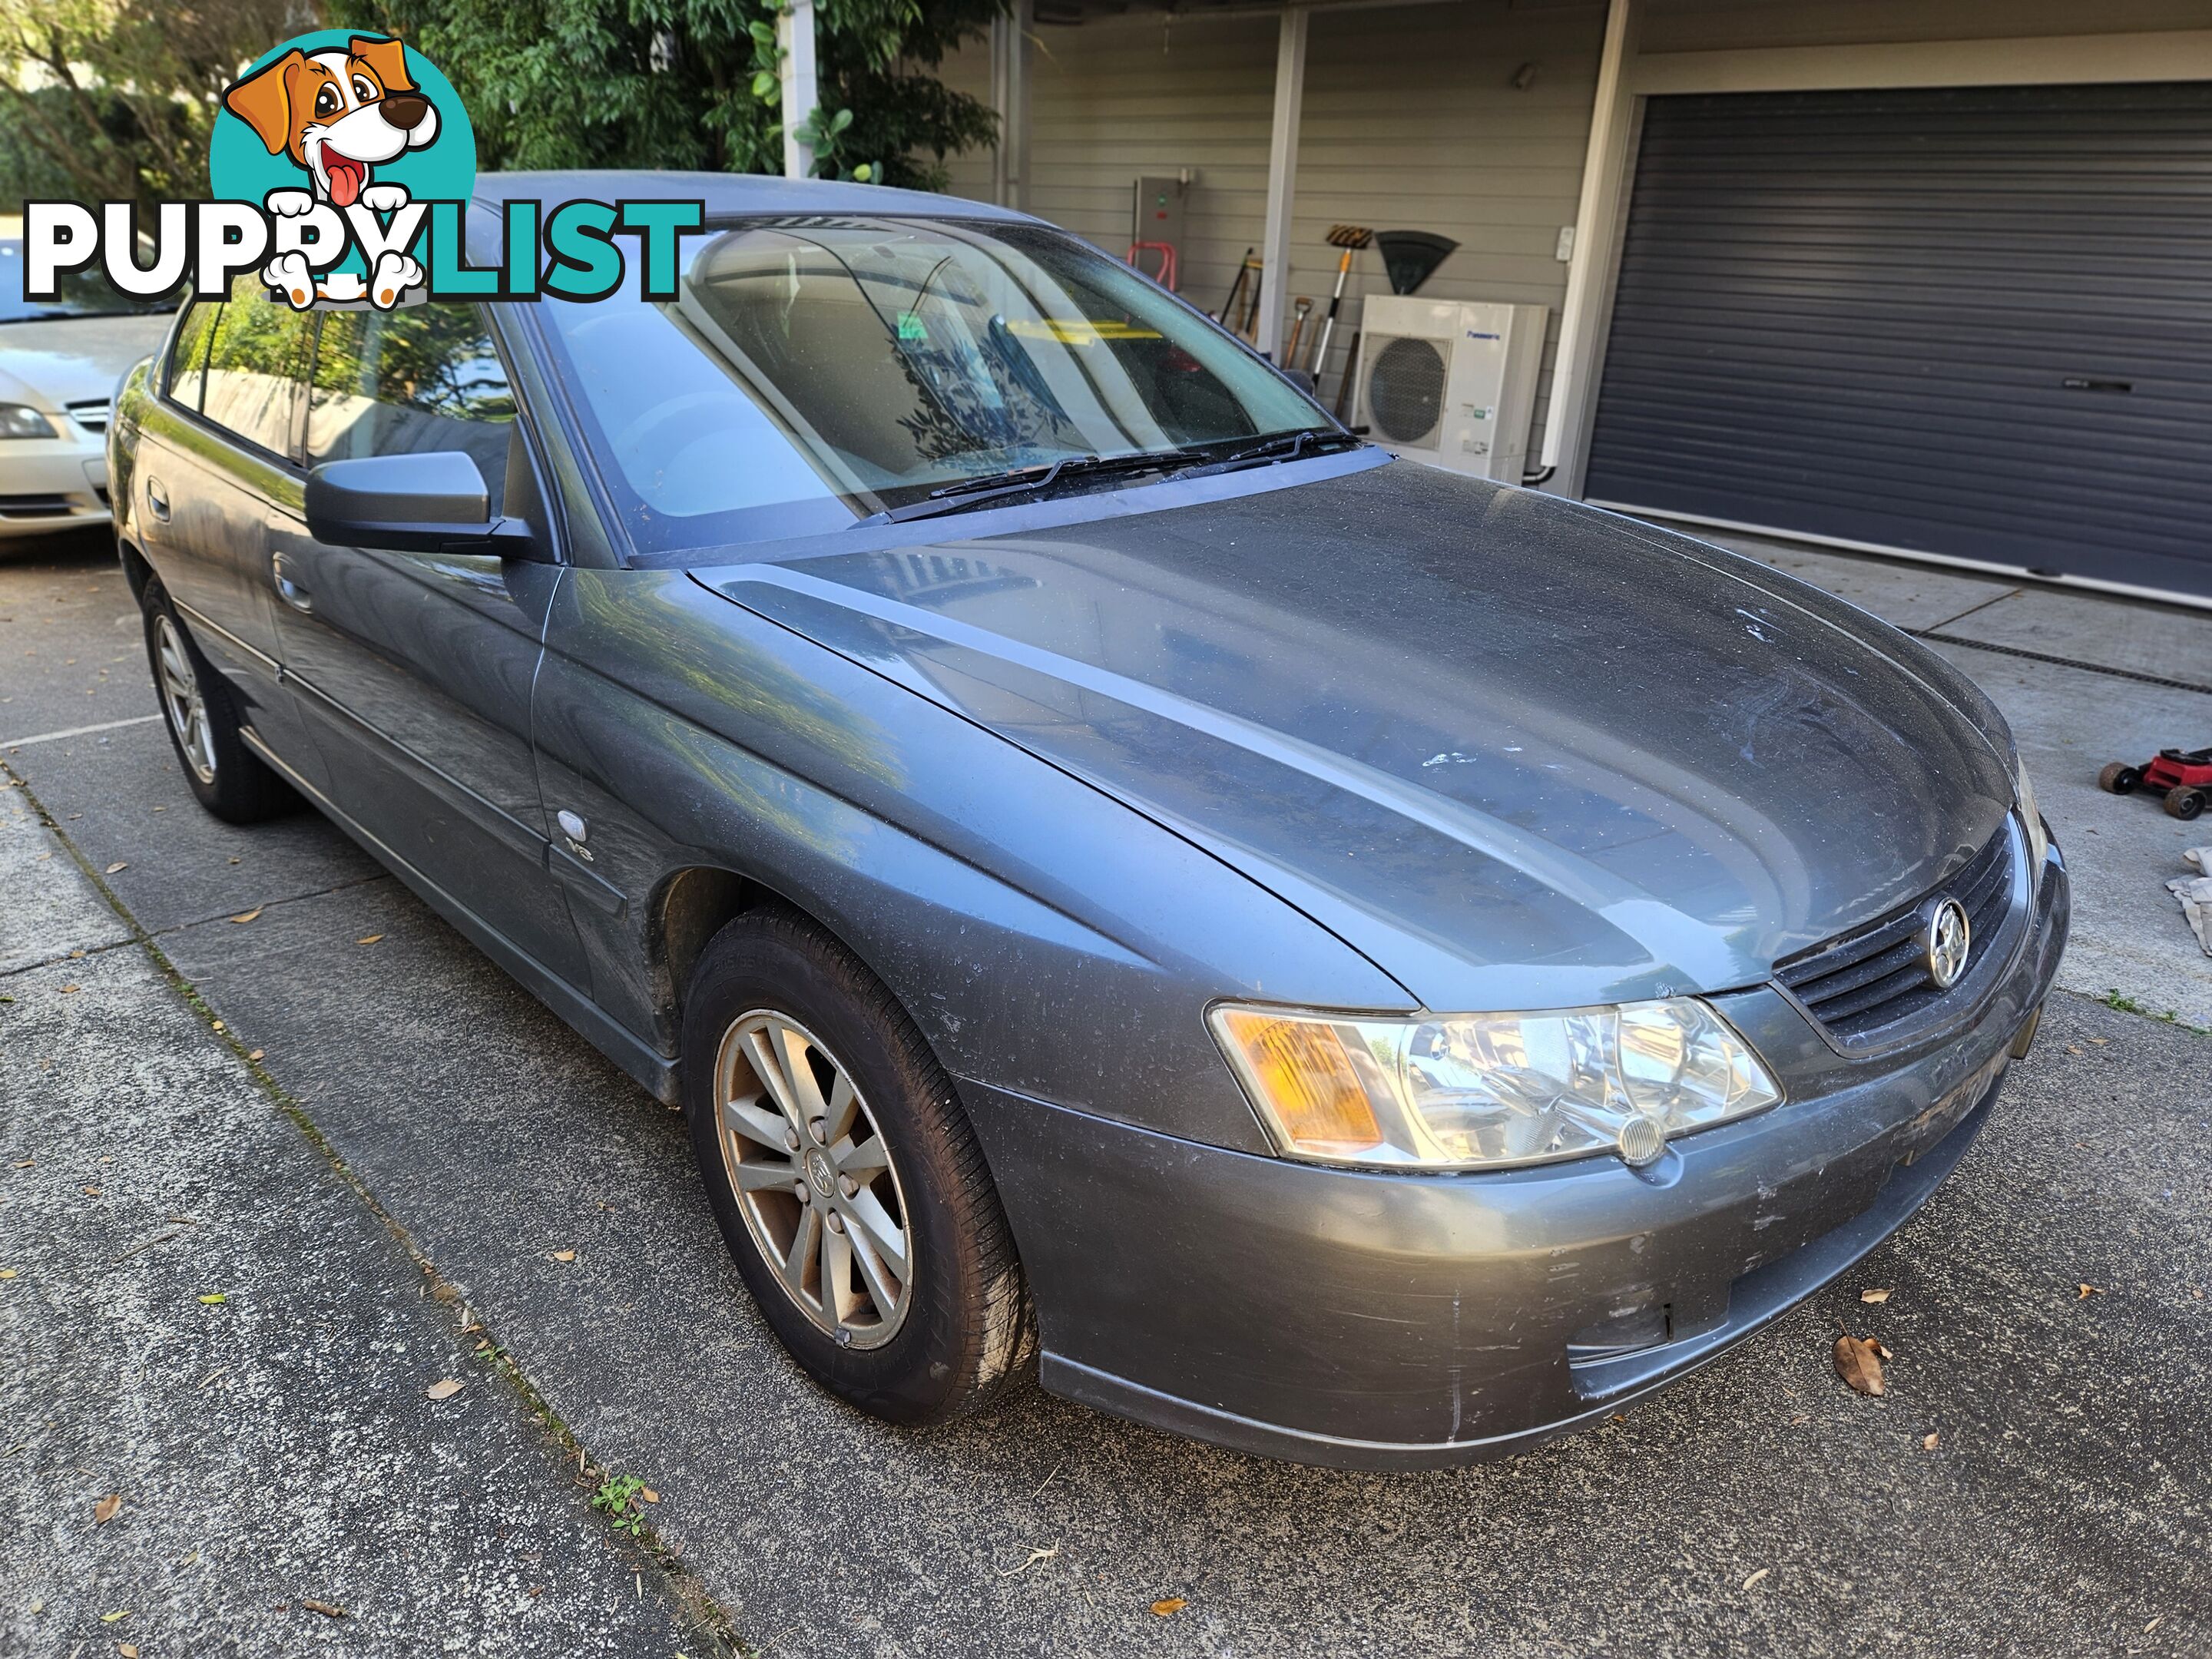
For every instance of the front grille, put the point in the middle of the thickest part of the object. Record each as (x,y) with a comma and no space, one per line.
(1871,986)
(92,414)
(35,507)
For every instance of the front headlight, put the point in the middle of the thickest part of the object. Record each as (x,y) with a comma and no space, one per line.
(20,421)
(2037,841)
(1468,1091)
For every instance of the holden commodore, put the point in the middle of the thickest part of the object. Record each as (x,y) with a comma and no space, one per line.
(1127,880)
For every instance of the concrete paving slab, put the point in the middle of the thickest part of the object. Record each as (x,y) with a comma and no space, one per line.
(70,637)
(501,1138)
(122,797)
(50,909)
(1908,595)
(203,1320)
(2130,935)
(2141,639)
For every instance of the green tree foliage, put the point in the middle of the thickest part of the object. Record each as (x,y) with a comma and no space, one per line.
(114,98)
(694,83)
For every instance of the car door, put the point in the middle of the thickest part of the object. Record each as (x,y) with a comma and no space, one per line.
(219,451)
(417,669)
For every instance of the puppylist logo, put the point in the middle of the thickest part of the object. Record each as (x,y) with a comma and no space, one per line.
(341,168)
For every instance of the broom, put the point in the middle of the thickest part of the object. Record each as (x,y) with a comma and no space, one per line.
(1351,238)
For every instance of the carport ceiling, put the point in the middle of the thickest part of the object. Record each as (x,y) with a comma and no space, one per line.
(1068,13)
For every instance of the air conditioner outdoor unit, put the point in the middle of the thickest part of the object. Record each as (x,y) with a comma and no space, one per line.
(1451,382)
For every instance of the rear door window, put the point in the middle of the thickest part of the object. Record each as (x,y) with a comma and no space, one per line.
(406,382)
(257,367)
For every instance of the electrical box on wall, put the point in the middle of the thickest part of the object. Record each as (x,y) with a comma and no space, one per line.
(1451,382)
(1156,227)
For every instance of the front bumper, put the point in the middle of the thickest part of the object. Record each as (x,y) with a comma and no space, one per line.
(1392,1321)
(49,484)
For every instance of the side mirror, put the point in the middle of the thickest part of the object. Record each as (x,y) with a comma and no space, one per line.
(433,502)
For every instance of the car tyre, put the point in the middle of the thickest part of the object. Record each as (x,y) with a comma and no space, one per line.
(2118,779)
(2183,804)
(881,1196)
(200,711)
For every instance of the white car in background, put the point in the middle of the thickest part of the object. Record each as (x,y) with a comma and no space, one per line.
(60,360)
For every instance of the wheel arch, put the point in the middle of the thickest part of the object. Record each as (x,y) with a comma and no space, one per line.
(137,570)
(689,907)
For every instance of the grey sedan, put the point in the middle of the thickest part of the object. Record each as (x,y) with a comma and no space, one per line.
(1129,881)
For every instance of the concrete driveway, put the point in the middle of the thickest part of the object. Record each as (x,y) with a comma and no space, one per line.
(2038,1480)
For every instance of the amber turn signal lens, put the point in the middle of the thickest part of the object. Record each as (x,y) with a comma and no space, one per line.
(1306,1081)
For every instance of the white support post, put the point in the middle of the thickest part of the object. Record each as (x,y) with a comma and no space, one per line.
(795,36)
(1589,269)
(1282,179)
(1012,49)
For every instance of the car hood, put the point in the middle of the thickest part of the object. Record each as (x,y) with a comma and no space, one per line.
(71,360)
(1519,752)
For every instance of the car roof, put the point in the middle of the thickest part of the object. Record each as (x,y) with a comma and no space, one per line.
(726,193)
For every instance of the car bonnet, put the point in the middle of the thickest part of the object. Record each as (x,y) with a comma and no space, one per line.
(1520,753)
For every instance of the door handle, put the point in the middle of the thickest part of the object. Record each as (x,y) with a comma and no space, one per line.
(293,594)
(157,500)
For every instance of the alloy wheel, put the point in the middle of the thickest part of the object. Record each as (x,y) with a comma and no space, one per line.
(183,700)
(813,1176)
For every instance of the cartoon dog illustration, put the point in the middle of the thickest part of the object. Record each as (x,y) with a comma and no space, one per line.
(338,115)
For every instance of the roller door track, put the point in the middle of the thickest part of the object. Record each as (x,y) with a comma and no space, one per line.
(1973,323)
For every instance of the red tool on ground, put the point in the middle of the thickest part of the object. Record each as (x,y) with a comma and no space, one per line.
(2183,776)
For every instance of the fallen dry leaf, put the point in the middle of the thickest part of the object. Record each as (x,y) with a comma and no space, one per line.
(117,865)
(1874,1296)
(1035,1556)
(648,1494)
(7,1272)
(217,1026)
(67,989)
(1858,1361)
(564,1256)
(92,1192)
(110,1618)
(1171,1606)
(249,916)
(2084,1292)
(25,1163)
(2153,1624)
(107,1509)
(254,1055)
(370,939)
(1756,1576)
(444,1390)
(323,1607)
(126,1651)
(1930,1440)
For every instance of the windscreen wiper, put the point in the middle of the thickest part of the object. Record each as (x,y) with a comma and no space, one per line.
(1271,452)
(966,493)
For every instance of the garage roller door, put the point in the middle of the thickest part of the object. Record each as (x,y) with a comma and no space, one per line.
(1976,323)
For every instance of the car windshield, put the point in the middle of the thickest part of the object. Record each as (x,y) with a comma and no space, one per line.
(77,294)
(814,372)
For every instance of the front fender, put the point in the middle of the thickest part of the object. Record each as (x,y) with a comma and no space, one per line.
(1046,939)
